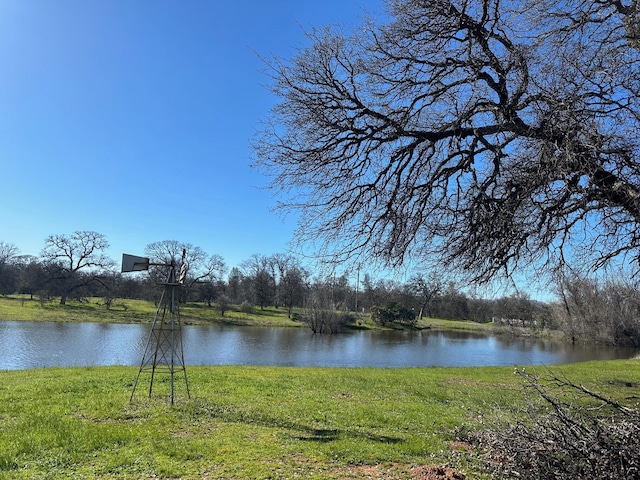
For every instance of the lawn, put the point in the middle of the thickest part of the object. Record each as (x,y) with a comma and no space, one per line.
(262,422)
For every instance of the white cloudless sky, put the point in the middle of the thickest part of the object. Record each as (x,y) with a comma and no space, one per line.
(133,118)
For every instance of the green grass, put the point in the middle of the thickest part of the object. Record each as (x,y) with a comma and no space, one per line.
(17,307)
(460,325)
(20,307)
(261,422)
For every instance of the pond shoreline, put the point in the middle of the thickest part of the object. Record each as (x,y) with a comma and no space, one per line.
(19,308)
(25,344)
(133,311)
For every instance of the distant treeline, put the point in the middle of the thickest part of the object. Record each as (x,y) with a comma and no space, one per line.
(260,283)
(72,266)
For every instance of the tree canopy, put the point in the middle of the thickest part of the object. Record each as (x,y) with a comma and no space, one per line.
(67,256)
(485,135)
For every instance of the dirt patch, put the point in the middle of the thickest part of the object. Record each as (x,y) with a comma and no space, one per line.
(436,472)
(370,472)
(461,446)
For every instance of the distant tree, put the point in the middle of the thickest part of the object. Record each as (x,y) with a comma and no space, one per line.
(600,311)
(277,265)
(130,287)
(452,303)
(210,274)
(393,312)
(517,309)
(206,292)
(198,265)
(369,296)
(342,292)
(263,288)
(292,287)
(320,313)
(426,289)
(109,287)
(8,274)
(246,306)
(388,291)
(76,260)
(316,316)
(8,252)
(166,251)
(223,304)
(481,310)
(259,269)
(483,135)
(33,276)
(289,278)
(234,286)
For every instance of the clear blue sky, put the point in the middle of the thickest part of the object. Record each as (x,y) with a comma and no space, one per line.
(133,118)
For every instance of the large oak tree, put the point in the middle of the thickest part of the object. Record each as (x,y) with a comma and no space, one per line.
(483,134)
(76,260)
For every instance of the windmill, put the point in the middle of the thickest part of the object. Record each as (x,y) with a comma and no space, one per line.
(164,353)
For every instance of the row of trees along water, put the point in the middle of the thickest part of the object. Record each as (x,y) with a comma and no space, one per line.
(75,266)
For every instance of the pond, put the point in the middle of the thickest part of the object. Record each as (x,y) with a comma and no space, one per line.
(47,344)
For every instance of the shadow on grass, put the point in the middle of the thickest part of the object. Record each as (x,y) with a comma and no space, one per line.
(298,431)
(315,435)
(324,436)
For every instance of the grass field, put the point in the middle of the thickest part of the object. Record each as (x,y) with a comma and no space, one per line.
(17,307)
(255,422)
(261,422)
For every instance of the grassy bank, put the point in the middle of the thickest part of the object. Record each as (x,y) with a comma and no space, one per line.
(261,422)
(17,307)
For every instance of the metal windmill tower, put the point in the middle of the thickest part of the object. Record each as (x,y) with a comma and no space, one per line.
(164,352)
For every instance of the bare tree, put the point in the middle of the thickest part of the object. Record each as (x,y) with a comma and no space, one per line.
(8,252)
(426,289)
(198,265)
(167,251)
(8,277)
(482,134)
(261,271)
(321,314)
(32,277)
(234,285)
(293,285)
(76,260)
(603,311)
(223,304)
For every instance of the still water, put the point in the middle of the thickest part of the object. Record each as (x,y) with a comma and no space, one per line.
(46,344)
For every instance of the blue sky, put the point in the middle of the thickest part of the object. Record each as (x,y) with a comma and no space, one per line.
(133,118)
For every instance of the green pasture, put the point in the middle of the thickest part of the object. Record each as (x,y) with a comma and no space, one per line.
(17,307)
(21,307)
(263,422)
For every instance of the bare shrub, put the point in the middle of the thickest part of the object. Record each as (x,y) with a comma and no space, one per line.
(246,307)
(223,304)
(566,432)
(322,316)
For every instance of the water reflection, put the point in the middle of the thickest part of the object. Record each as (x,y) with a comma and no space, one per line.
(45,344)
